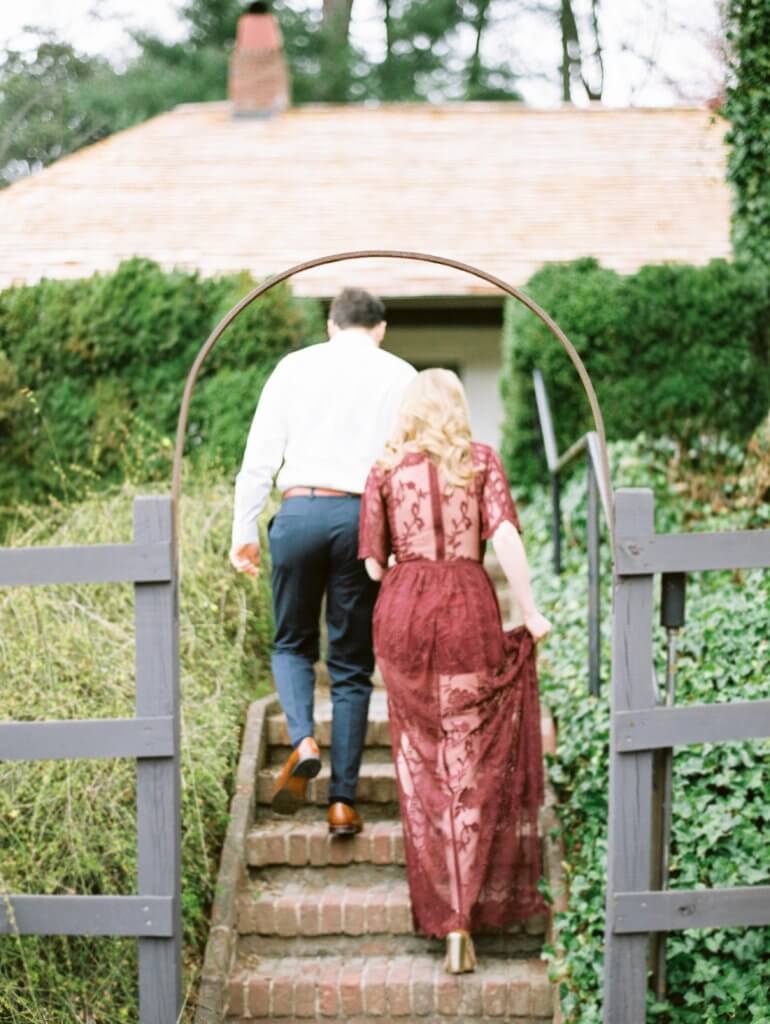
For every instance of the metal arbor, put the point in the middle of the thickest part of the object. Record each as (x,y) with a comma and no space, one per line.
(341,257)
(638,726)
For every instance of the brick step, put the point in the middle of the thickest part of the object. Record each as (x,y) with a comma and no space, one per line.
(304,841)
(376,988)
(492,944)
(337,901)
(372,755)
(298,843)
(376,784)
(377,732)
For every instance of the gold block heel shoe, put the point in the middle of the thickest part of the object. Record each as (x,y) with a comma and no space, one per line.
(460,954)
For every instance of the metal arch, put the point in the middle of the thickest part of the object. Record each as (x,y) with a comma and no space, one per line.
(271,282)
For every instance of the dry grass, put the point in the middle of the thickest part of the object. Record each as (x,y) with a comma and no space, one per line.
(67,652)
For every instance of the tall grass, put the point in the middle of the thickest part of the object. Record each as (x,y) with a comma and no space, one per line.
(69,827)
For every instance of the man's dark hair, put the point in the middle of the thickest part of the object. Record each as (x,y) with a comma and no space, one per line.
(354,307)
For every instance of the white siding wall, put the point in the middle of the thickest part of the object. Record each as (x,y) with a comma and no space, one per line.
(474,352)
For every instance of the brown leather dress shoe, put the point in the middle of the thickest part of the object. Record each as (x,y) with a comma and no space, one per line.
(303,763)
(344,820)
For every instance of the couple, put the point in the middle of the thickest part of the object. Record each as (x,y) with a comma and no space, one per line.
(387,507)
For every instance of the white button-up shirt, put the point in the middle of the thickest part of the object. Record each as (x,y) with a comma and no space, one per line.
(322,420)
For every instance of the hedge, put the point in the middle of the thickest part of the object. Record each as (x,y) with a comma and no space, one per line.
(92,370)
(676,351)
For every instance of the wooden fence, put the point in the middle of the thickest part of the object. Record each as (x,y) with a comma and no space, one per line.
(152,737)
(639,728)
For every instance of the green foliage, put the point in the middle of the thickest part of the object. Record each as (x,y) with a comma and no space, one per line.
(748,109)
(162,77)
(675,351)
(70,826)
(212,22)
(722,792)
(93,370)
(41,116)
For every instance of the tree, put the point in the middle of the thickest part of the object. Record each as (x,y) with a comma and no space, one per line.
(427,56)
(576,61)
(748,109)
(211,22)
(54,100)
(41,117)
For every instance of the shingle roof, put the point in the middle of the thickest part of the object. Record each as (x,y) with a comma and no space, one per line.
(502,186)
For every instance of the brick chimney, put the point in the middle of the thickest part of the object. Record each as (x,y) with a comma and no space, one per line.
(259,78)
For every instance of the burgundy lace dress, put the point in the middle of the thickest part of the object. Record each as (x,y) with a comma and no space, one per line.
(462,696)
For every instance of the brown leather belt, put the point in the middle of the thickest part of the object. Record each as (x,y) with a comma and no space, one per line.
(317,492)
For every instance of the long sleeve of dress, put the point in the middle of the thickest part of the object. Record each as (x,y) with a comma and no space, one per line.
(374,533)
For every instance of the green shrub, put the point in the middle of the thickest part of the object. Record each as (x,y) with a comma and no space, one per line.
(721,791)
(674,351)
(68,652)
(93,370)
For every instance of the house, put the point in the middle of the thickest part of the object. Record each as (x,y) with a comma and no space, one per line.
(253,183)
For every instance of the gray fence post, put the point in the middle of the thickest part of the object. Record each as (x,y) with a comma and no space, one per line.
(630,796)
(158,786)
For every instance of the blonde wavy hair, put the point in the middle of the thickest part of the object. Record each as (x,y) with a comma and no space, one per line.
(434,418)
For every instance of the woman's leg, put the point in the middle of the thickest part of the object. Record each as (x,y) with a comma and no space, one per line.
(458,767)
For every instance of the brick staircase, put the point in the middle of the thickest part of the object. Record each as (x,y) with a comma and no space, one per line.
(324,928)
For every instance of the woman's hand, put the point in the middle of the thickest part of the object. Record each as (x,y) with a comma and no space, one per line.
(538,626)
(245,558)
(374,569)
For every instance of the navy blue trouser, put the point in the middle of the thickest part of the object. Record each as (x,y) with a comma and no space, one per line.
(314,550)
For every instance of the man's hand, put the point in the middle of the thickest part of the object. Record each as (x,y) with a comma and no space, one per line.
(245,558)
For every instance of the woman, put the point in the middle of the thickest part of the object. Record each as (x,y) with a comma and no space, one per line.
(462,693)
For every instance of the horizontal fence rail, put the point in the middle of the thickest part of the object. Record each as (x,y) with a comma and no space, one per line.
(698,723)
(152,738)
(642,735)
(127,916)
(693,552)
(101,737)
(101,563)
(677,909)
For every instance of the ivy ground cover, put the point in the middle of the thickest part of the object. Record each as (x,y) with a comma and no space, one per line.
(721,811)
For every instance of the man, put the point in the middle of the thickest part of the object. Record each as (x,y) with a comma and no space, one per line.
(322,421)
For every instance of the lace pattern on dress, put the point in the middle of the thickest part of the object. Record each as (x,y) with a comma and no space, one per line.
(468,757)
(462,694)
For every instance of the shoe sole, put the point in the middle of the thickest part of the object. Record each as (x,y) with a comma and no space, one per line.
(345,830)
(307,768)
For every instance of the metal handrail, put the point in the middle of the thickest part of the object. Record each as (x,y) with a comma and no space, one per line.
(599,495)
